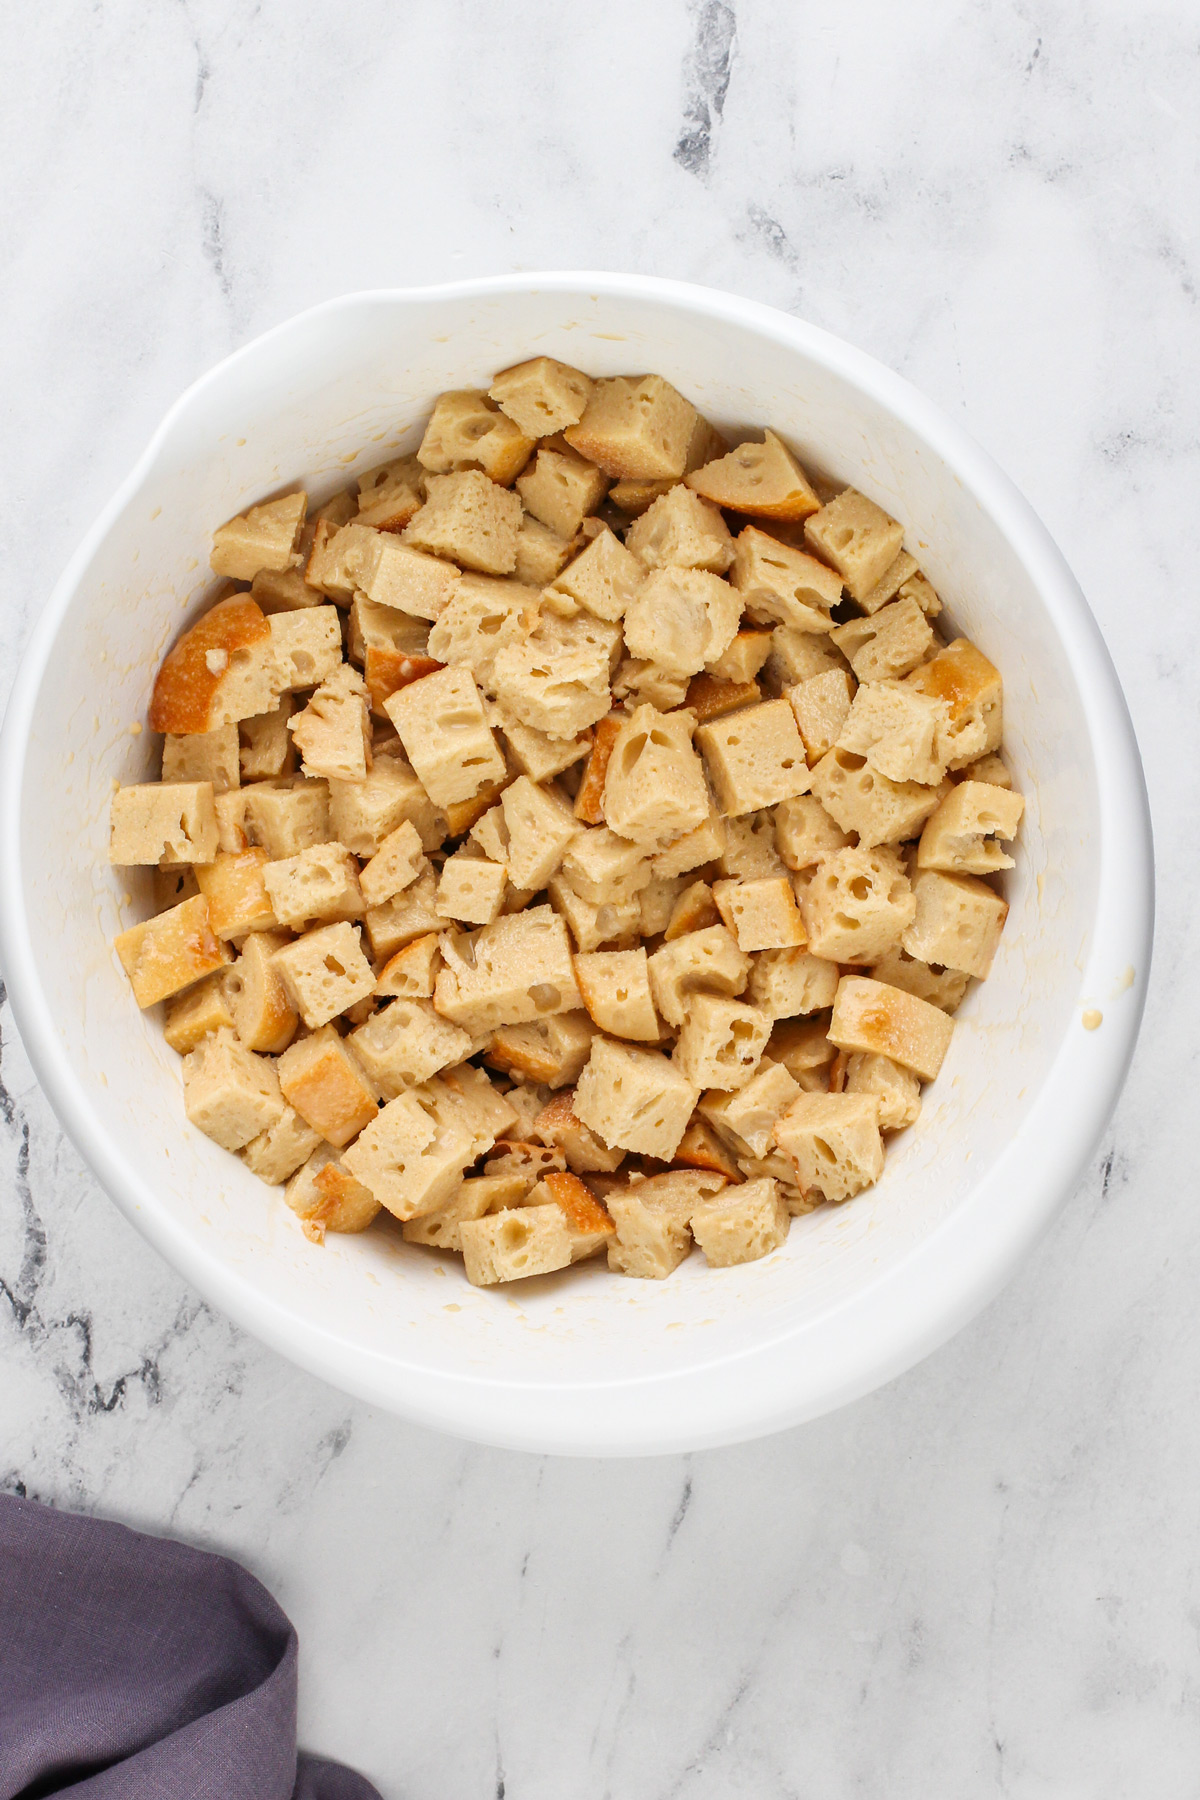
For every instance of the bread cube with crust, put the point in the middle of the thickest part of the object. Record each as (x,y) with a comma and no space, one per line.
(325,972)
(741,661)
(604,577)
(535,753)
(405,1043)
(612,922)
(635,427)
(970,688)
(589,1224)
(206,756)
(742,1224)
(557,679)
(325,1197)
(469,520)
(634,1099)
(745,1118)
(541,552)
(872,1017)
(681,618)
(166,822)
(962,836)
(263,537)
(704,843)
(561,489)
(467,430)
(889,645)
(708,698)
(804,832)
(540,827)
(680,530)
(702,962)
(389,495)
(550,1051)
(700,1148)
(782,585)
(898,730)
(542,395)
(694,910)
(858,905)
(362,814)
(380,639)
(262,1014)
(275,1154)
(515,1244)
(957,922)
(473,1198)
(721,1042)
(305,649)
(446,736)
(928,981)
(654,786)
(509,973)
(764,479)
(803,1048)
(857,538)
(483,615)
(411,1160)
(235,888)
(762,914)
(559,1124)
(230,1094)
(615,985)
(470,889)
(797,656)
(862,800)
(316,886)
(897,1089)
(167,953)
(833,1142)
(412,913)
(755,757)
(286,816)
(329,1087)
(822,705)
(410,974)
(265,745)
(219,671)
(333,732)
(788,982)
(201,1009)
(650,1241)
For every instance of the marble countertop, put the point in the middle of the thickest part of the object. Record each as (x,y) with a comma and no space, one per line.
(983,1579)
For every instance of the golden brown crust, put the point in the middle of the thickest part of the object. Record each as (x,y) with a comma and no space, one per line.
(192,670)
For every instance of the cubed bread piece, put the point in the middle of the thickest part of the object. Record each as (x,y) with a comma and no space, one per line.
(777,583)
(860,799)
(467,430)
(870,1016)
(557,679)
(970,687)
(822,705)
(541,553)
(897,1089)
(409,581)
(650,1241)
(286,816)
(601,866)
(275,1154)
(797,656)
(230,1094)
(325,1197)
(613,922)
(412,913)
(928,981)
(167,822)
(694,910)
(679,530)
(957,923)
(541,827)
(741,661)
(316,886)
(803,1048)
(762,914)
(784,983)
(333,732)
(641,683)
(858,905)
(887,646)
(405,1043)
(471,1199)
(635,427)
(761,478)
(164,955)
(481,617)
(328,1086)
(561,489)
(362,814)
(509,973)
(446,736)
(265,745)
(700,1148)
(203,1008)
(177,883)
(559,1124)
(634,1099)
(305,648)
(410,974)
(855,537)
(325,972)
(394,866)
(219,671)
(470,520)
(898,730)
(681,618)
(374,626)
(743,1224)
(389,495)
(411,1160)
(833,1142)
(654,786)
(542,395)
(615,985)
(549,1051)
(604,578)
(236,891)
(709,698)
(961,837)
(535,753)
(721,1042)
(804,832)
(515,1244)
(745,1118)
(754,757)
(470,889)
(263,1015)
(490,832)
(589,1224)
(284,590)
(341,553)
(897,573)
(264,537)
(468,1096)
(705,843)
(703,962)
(206,756)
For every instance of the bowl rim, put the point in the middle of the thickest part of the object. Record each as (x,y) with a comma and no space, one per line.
(943,1280)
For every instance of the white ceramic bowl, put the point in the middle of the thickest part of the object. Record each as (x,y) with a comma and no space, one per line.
(588,1362)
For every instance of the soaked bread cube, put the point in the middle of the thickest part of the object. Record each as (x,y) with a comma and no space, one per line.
(654,786)
(203,1008)
(540,827)
(509,973)
(394,866)
(589,1224)
(263,1016)
(694,910)
(229,1093)
(803,1048)
(412,913)
(721,1042)
(708,698)
(858,905)
(897,1089)
(542,395)
(163,822)
(601,866)
(164,955)
(176,883)
(275,1154)
(541,553)
(409,581)
(755,757)
(762,914)
(870,1016)
(206,756)
(742,1224)
(560,489)
(750,853)
(557,679)
(604,578)
(898,730)
(328,1086)
(317,885)
(778,583)
(470,889)
(550,1051)
(788,982)
(744,657)
(221,670)
(333,732)
(822,705)
(284,590)
(412,971)
(970,688)
(472,1199)
(833,1143)
(446,736)
(797,656)
(650,1241)
(389,495)
(558,1123)
(887,646)
(804,832)
(285,817)
(704,843)
(615,985)
(235,888)
(957,923)
(761,478)
(635,427)
(362,814)
(264,537)
(855,537)
(325,972)
(681,531)
(928,981)
(990,768)
(638,683)
(745,1118)
(325,1196)
(862,800)
(961,837)
(702,962)
(405,1043)
(483,615)
(612,922)
(634,1099)
(342,553)
(305,648)
(515,1244)
(657,902)
(470,520)
(899,571)
(681,618)
(467,430)
(265,745)
(535,753)
(411,1159)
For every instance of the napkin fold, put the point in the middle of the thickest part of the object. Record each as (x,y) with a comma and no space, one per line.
(133,1668)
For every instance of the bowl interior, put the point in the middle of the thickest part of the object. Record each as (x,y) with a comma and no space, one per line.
(321,400)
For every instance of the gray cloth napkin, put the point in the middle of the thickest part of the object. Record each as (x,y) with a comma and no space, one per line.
(132,1668)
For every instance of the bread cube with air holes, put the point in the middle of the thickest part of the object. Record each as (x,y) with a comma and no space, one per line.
(541,552)
(870,1016)
(561,489)
(957,922)
(219,671)
(804,832)
(230,1094)
(405,1043)
(887,646)
(721,1042)
(641,683)
(325,972)
(560,1125)
(275,1154)
(541,396)
(741,1225)
(473,1198)
(557,679)
(409,1158)
(762,914)
(317,886)
(483,614)
(833,1143)
(509,973)
(650,1242)
(469,520)
(963,836)
(265,745)
(681,618)
(928,981)
(604,578)
(411,972)
(341,552)
(969,686)
(862,800)
(612,922)
(166,954)
(680,530)
(654,786)
(615,985)
(745,1118)
(781,585)
(466,1095)
(797,656)
(394,866)
(822,705)
(789,982)
(328,1086)
(201,1009)
(263,537)
(446,736)
(858,905)
(470,889)
(634,1099)
(207,756)
(412,582)
(467,430)
(857,538)
(764,479)
(589,1224)
(749,853)
(167,822)
(286,816)
(262,1013)
(550,1051)
(541,828)
(898,730)
(412,913)
(601,866)
(702,962)
(515,1244)
(755,757)
(333,732)
(389,495)
(897,1089)
(362,814)
(635,427)
(326,1197)
(305,649)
